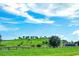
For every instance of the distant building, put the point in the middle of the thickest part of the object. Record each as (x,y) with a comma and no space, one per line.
(71,44)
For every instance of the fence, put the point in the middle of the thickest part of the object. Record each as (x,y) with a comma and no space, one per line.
(14,47)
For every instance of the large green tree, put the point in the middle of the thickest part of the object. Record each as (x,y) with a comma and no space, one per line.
(77,42)
(0,39)
(54,41)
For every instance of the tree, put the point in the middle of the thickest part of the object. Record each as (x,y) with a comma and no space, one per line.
(23,37)
(27,37)
(54,41)
(45,37)
(31,37)
(36,37)
(0,39)
(77,43)
(19,38)
(64,41)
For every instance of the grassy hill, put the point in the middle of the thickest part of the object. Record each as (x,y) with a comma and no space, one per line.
(23,42)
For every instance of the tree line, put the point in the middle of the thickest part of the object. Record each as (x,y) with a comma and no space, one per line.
(31,37)
(53,41)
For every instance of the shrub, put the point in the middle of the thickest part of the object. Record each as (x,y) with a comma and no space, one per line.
(20,44)
(32,45)
(45,42)
(38,45)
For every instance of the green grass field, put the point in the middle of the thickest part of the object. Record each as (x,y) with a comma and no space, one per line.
(36,51)
(67,51)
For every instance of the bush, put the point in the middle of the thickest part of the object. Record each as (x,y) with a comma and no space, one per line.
(45,42)
(38,45)
(32,45)
(20,44)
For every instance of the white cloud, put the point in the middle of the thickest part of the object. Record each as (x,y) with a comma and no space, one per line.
(7,20)
(76,32)
(12,22)
(52,10)
(37,20)
(70,11)
(74,21)
(40,22)
(58,25)
(55,10)
(14,29)
(63,37)
(21,11)
(4,28)
(39,1)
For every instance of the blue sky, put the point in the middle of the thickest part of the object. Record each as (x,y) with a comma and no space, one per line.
(39,19)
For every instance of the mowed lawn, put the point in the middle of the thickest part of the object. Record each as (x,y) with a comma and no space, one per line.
(66,51)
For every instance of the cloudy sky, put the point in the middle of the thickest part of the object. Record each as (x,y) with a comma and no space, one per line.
(39,19)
